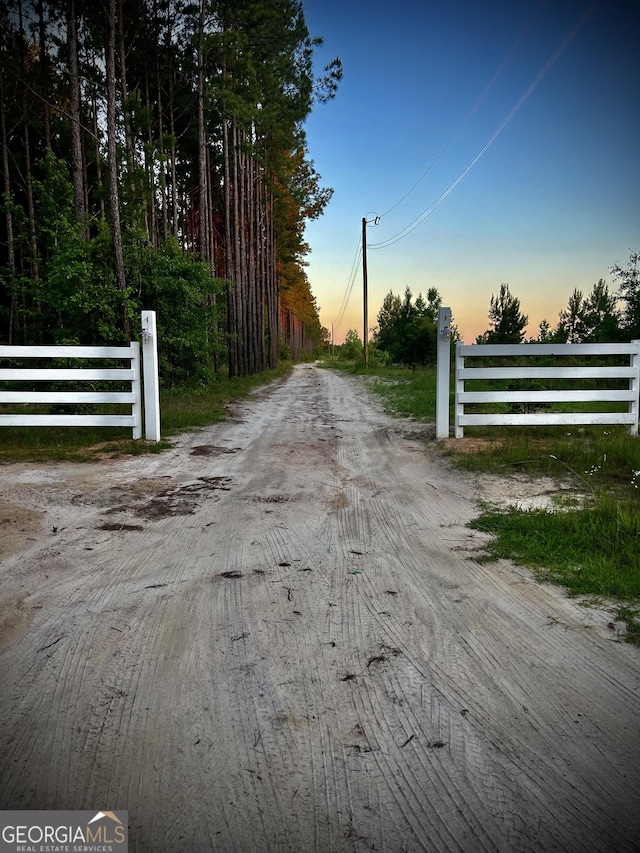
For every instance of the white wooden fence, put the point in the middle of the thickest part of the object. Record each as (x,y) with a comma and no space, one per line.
(530,399)
(131,375)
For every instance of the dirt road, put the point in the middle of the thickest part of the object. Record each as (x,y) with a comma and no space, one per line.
(275,637)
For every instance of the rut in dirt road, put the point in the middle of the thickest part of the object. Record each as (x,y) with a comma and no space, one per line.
(274,638)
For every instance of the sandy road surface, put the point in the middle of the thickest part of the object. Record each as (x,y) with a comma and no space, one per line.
(275,638)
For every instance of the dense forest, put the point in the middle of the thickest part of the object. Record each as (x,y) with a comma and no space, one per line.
(153,156)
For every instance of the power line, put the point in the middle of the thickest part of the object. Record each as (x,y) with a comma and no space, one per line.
(506,120)
(352,277)
(473,109)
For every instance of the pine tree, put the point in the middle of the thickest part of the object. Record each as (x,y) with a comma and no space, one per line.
(508,324)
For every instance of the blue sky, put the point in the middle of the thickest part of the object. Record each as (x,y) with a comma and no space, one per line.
(551,205)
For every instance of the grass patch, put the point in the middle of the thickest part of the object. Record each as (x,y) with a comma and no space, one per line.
(596,459)
(181,409)
(593,550)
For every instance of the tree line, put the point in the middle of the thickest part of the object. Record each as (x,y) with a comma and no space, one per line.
(407,329)
(600,316)
(153,155)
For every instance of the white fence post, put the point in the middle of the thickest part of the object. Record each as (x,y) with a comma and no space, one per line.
(634,385)
(443,372)
(459,386)
(136,387)
(150,374)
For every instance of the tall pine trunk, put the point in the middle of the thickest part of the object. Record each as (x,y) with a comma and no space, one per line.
(11,252)
(162,175)
(238,290)
(126,111)
(44,73)
(77,168)
(273,308)
(203,214)
(31,216)
(96,140)
(229,253)
(152,213)
(114,195)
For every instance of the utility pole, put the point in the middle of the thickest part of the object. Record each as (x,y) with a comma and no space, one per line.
(365,283)
(364,288)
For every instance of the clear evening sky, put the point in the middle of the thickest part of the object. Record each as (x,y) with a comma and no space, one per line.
(550,205)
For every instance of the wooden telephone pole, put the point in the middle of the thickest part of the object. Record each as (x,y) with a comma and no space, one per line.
(365,283)
(364,287)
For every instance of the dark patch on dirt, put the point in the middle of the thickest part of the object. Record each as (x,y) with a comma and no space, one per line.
(182,500)
(153,499)
(272,499)
(213,450)
(117,528)
(358,749)
(387,652)
(232,574)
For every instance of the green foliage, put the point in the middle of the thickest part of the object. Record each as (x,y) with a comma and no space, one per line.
(57,280)
(284,351)
(186,300)
(591,319)
(352,348)
(407,331)
(629,292)
(377,358)
(75,300)
(507,321)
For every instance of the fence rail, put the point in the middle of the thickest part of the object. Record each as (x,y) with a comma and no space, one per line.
(530,397)
(130,374)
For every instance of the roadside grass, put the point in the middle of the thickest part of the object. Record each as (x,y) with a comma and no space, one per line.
(181,409)
(590,545)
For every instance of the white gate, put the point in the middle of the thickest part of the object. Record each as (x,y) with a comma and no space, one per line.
(131,375)
(542,398)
